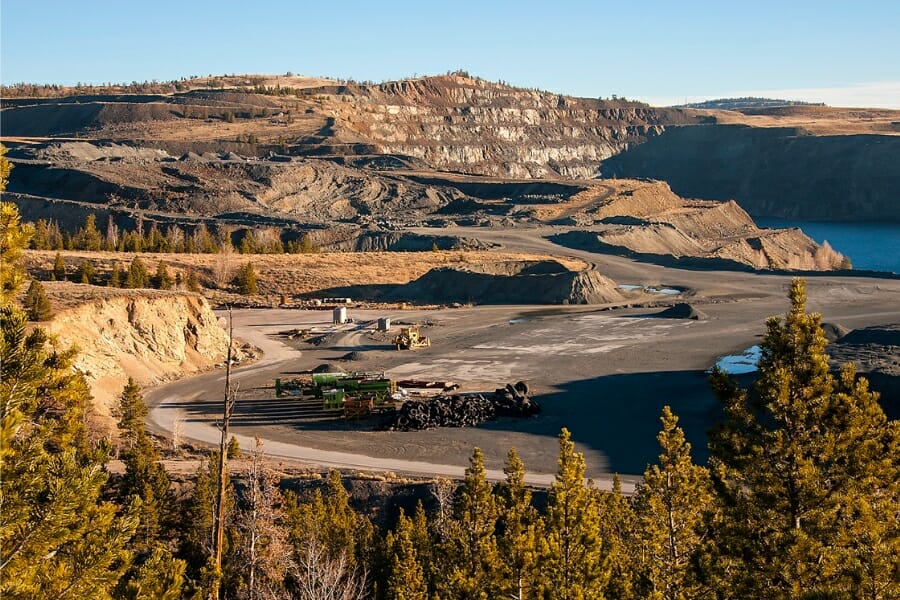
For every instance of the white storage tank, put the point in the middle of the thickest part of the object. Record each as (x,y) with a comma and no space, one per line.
(339,315)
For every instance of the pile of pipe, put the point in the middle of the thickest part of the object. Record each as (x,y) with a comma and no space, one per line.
(464,410)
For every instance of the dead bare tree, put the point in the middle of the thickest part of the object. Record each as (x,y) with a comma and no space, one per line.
(223,267)
(319,576)
(265,553)
(112,234)
(442,489)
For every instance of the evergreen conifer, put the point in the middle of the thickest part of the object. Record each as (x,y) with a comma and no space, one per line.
(36,303)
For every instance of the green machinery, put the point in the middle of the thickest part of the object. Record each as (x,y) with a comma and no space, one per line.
(333,388)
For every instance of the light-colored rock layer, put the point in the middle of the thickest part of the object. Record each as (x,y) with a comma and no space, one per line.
(151,338)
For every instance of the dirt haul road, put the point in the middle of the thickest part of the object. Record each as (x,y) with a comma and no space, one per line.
(604,374)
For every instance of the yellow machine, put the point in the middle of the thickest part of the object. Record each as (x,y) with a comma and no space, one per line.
(410,338)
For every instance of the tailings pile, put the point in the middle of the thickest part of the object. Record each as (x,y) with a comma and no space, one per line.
(512,282)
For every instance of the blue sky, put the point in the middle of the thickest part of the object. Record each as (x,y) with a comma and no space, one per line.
(843,53)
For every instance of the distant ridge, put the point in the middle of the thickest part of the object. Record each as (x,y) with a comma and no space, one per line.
(749,102)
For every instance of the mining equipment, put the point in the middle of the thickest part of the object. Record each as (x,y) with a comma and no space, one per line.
(410,338)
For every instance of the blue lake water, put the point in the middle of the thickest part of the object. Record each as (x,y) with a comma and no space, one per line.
(740,364)
(872,246)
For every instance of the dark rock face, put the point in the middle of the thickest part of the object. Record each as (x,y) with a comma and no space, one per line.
(774,172)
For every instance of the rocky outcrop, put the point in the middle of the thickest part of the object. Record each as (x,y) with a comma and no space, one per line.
(151,337)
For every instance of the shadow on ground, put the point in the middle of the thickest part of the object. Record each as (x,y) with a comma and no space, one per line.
(618,415)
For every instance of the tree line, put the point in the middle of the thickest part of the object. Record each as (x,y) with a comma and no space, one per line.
(173,238)
(135,276)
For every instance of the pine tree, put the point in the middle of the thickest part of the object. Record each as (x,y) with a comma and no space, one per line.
(159,577)
(57,537)
(234,448)
(5,168)
(797,465)
(521,527)
(331,541)
(246,279)
(132,411)
(572,551)
(86,272)
(198,521)
(36,302)
(59,268)
(618,529)
(470,551)
(407,577)
(162,280)
(41,238)
(14,238)
(670,504)
(88,237)
(115,277)
(145,477)
(306,245)
(137,275)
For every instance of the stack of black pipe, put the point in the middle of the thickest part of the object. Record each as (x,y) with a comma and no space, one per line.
(464,410)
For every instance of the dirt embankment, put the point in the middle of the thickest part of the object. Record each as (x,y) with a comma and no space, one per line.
(150,336)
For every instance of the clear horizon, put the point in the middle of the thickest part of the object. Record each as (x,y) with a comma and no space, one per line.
(660,53)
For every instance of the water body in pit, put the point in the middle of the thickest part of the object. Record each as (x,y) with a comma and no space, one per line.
(870,246)
(667,291)
(740,364)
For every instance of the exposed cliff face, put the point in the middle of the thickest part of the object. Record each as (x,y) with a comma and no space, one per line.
(774,172)
(150,337)
(461,124)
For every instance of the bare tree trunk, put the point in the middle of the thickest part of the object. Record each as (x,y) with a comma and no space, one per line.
(228,404)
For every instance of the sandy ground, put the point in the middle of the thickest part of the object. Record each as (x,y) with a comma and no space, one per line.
(604,374)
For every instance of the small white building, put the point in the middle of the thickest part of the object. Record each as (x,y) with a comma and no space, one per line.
(339,316)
